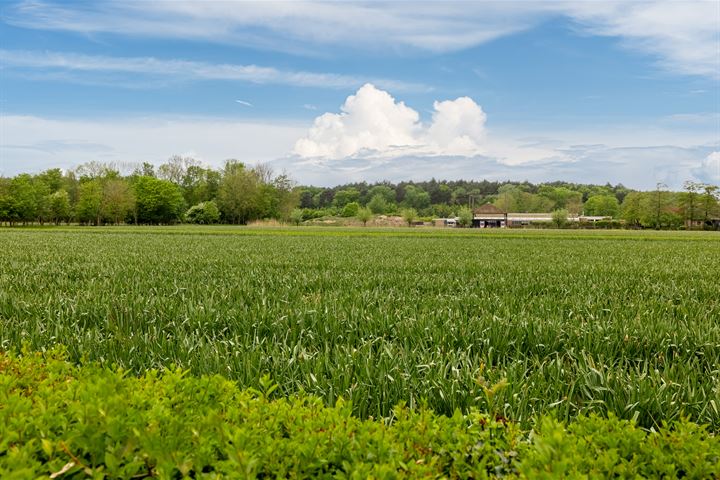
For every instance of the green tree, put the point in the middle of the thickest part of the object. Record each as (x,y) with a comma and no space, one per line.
(89,206)
(574,204)
(416,197)
(5,200)
(52,179)
(709,202)
(204,213)
(602,205)
(27,199)
(350,210)
(285,197)
(658,205)
(296,216)
(157,201)
(377,204)
(632,208)
(364,214)
(239,195)
(118,201)
(465,217)
(507,199)
(459,196)
(345,196)
(560,217)
(690,200)
(409,215)
(442,210)
(561,197)
(200,184)
(385,191)
(59,204)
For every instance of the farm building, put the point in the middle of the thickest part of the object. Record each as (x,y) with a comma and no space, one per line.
(490,216)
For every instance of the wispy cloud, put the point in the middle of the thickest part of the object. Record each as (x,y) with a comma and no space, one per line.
(682,36)
(68,64)
(243,102)
(32,143)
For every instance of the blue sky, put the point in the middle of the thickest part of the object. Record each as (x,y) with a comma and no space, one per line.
(621,92)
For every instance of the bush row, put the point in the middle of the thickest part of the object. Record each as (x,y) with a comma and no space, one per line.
(66,421)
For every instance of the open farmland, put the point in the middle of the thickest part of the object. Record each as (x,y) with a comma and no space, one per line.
(574,322)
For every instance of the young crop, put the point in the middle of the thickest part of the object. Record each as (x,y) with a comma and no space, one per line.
(574,323)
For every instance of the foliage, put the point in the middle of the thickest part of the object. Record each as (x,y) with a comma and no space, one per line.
(95,422)
(560,218)
(59,205)
(416,198)
(351,209)
(364,215)
(89,206)
(239,193)
(409,215)
(204,213)
(346,196)
(378,204)
(602,206)
(465,217)
(245,194)
(118,200)
(441,210)
(157,201)
(297,216)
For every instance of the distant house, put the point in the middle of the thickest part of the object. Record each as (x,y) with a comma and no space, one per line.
(713,223)
(445,222)
(489,216)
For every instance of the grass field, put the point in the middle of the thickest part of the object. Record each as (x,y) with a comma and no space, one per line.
(515,322)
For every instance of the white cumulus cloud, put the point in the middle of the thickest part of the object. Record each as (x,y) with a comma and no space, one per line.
(372,122)
(709,170)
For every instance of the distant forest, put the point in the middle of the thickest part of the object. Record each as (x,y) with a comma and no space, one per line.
(183,190)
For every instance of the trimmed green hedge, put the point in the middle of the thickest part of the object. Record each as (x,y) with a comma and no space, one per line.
(65,421)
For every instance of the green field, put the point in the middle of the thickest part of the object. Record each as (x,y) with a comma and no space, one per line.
(574,322)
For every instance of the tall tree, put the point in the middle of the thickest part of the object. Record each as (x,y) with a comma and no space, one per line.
(709,201)
(118,200)
(157,201)
(175,169)
(239,193)
(632,208)
(602,205)
(690,199)
(89,206)
(416,197)
(59,207)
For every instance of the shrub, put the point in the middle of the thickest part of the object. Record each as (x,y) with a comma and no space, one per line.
(296,216)
(560,218)
(364,215)
(350,210)
(204,213)
(90,421)
(465,217)
(409,215)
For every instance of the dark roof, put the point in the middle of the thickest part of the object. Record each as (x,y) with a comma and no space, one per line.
(488,209)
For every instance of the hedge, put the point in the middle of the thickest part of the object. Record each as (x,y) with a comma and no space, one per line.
(59,420)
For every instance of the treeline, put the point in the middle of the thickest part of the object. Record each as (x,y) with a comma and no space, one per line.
(183,190)
(180,190)
(661,208)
